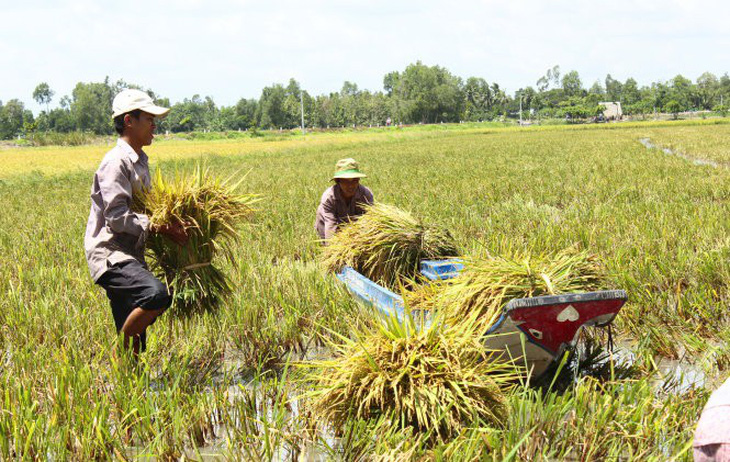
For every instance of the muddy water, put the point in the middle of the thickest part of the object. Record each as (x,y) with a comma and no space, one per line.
(251,403)
(673,376)
(681,376)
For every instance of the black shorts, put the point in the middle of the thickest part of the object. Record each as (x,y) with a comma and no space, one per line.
(129,285)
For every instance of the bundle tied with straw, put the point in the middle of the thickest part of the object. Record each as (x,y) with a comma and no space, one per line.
(209,209)
(435,380)
(386,245)
(487,284)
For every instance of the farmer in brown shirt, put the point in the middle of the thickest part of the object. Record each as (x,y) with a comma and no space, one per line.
(342,201)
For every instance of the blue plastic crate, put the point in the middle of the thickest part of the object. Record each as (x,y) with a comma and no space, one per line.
(441,269)
(369,292)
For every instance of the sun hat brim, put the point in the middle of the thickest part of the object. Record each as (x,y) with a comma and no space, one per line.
(157,111)
(347,174)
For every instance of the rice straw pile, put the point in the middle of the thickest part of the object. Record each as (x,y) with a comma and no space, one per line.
(386,245)
(209,208)
(487,284)
(436,380)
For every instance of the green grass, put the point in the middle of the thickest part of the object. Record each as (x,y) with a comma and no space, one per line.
(658,222)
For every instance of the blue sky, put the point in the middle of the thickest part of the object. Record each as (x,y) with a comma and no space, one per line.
(233,48)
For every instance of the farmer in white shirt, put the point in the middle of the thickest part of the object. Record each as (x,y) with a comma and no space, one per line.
(115,236)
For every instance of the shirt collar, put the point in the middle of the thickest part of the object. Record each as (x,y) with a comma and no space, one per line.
(127,149)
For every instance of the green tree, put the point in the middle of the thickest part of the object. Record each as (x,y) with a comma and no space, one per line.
(211,115)
(595,94)
(390,82)
(478,96)
(271,108)
(352,107)
(659,94)
(427,94)
(292,105)
(30,127)
(673,107)
(163,125)
(193,114)
(530,99)
(376,108)
(614,88)
(630,93)
(552,76)
(572,86)
(724,89)
(245,114)
(12,117)
(708,89)
(226,119)
(323,112)
(681,92)
(43,95)
(91,107)
(641,107)
(597,89)
(59,120)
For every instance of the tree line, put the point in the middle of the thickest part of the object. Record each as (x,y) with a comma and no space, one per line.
(418,94)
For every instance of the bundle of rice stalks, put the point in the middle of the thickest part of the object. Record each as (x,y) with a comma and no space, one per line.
(387,244)
(435,381)
(486,285)
(209,209)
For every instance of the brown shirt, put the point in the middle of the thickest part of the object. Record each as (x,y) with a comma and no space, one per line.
(333,209)
(114,233)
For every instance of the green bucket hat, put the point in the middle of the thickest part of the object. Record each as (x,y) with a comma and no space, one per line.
(348,168)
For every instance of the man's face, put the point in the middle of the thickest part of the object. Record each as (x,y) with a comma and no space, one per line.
(141,129)
(348,186)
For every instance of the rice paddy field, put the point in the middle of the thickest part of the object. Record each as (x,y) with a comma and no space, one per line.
(233,385)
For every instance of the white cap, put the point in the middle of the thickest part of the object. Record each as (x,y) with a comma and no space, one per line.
(130,99)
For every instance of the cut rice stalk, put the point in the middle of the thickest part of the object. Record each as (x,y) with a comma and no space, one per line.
(487,284)
(387,244)
(209,209)
(437,379)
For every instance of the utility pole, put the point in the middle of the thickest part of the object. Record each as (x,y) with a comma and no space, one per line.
(301,101)
(520,109)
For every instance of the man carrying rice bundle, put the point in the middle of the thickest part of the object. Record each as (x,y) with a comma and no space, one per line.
(343,201)
(115,236)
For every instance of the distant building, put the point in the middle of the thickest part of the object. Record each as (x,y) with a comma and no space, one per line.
(612,110)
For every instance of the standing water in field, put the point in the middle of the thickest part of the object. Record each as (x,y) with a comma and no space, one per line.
(649,145)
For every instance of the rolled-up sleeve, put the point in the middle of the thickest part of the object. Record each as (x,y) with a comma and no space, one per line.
(116,193)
